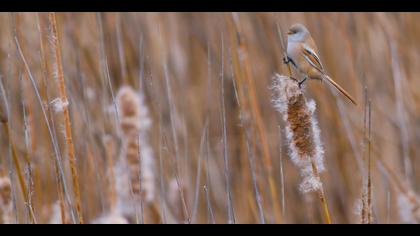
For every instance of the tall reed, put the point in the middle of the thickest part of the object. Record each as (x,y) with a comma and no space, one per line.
(63,106)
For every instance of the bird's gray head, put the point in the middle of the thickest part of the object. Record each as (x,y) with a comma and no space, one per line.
(298,33)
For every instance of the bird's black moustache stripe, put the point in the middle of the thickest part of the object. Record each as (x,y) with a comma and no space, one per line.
(293,63)
(287,60)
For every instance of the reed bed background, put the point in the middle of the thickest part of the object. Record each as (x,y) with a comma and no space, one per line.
(169,118)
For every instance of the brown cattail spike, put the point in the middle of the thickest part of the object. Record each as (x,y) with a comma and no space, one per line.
(135,173)
(5,200)
(303,134)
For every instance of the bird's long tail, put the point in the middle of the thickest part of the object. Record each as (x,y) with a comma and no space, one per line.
(339,88)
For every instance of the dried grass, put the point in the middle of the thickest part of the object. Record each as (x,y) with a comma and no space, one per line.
(204,80)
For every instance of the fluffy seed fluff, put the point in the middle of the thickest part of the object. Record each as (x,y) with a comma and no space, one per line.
(6,200)
(56,216)
(114,217)
(135,170)
(59,104)
(302,132)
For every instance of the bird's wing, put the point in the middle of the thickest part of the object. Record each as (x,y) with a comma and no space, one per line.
(311,57)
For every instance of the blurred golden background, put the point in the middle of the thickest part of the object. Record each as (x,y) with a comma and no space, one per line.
(205,79)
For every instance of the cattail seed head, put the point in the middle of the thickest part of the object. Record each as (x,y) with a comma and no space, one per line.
(133,111)
(302,130)
(5,191)
(6,200)
(114,217)
(135,174)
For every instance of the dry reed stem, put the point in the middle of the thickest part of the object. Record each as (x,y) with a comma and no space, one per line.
(405,190)
(172,114)
(369,184)
(210,212)
(30,147)
(16,162)
(231,212)
(109,152)
(199,174)
(258,198)
(46,119)
(283,47)
(399,80)
(302,131)
(60,193)
(366,200)
(63,96)
(3,113)
(13,149)
(364,209)
(244,79)
(30,129)
(45,97)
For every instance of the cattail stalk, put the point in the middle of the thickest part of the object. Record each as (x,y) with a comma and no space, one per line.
(303,134)
(63,96)
(367,208)
(369,183)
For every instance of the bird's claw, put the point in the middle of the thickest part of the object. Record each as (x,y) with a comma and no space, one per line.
(286,60)
(301,82)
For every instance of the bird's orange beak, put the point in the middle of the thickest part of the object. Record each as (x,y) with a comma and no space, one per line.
(289,32)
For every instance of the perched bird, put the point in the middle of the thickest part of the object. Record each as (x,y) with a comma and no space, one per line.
(303,54)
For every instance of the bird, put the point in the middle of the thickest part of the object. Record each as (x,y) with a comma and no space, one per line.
(302,52)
